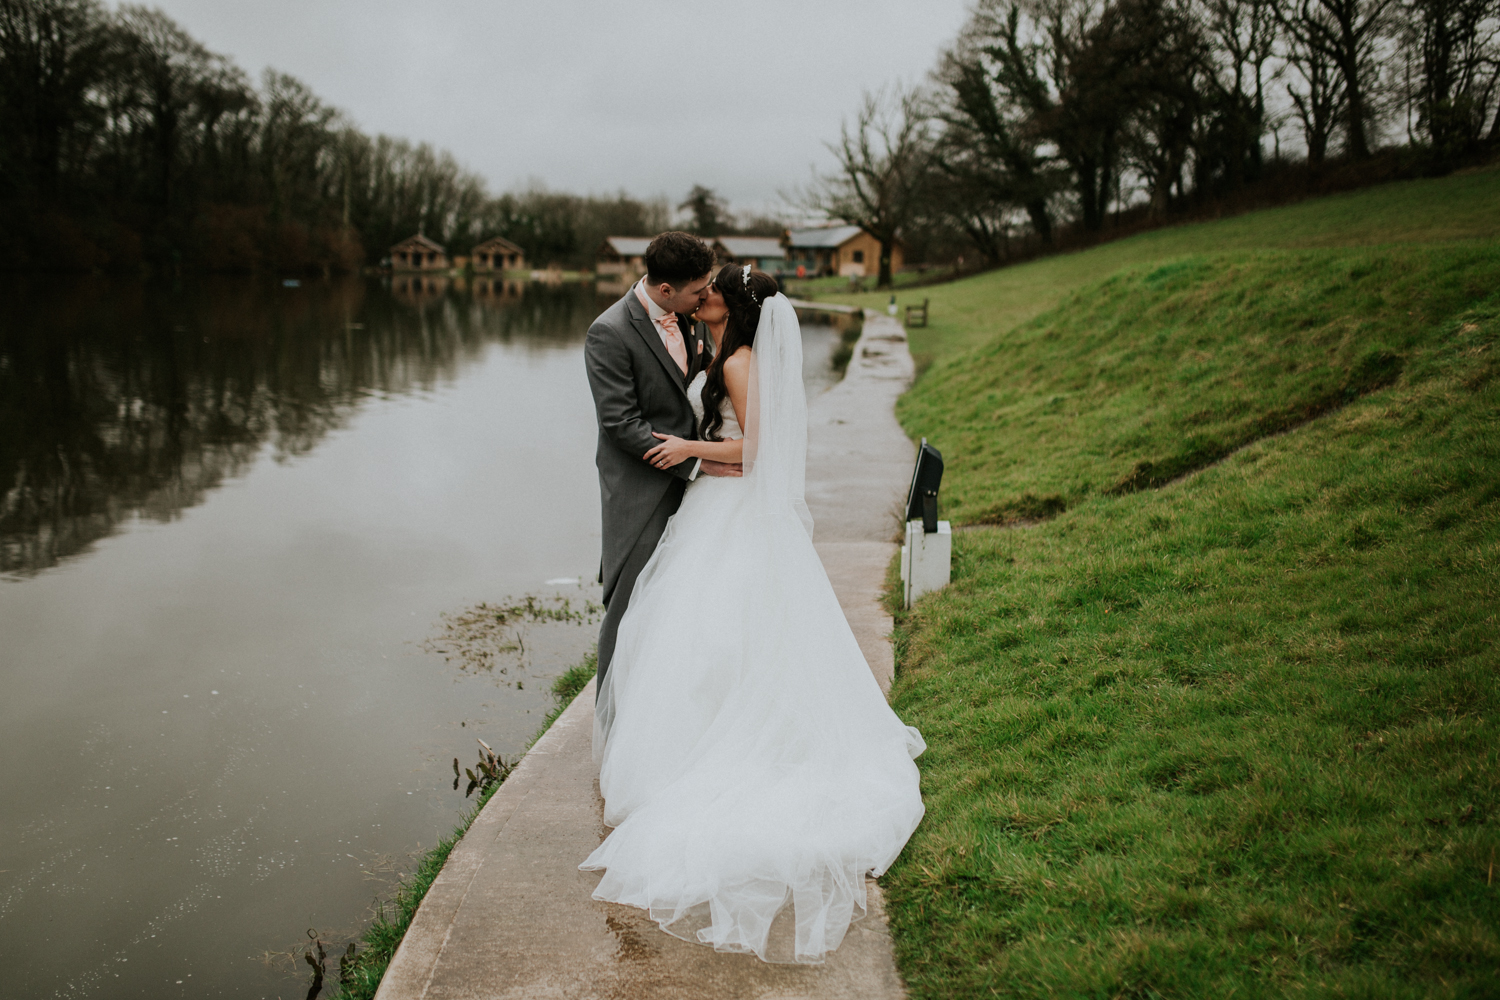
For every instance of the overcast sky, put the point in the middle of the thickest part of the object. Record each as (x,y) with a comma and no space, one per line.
(595,96)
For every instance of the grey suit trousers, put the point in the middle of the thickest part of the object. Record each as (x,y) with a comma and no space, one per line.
(616,602)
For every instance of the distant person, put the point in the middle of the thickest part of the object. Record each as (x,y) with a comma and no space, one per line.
(747,755)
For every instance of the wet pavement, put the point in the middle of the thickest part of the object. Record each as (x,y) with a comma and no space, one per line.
(512,917)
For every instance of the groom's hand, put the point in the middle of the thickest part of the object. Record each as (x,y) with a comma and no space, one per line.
(727,469)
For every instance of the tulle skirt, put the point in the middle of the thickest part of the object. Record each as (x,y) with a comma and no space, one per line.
(748,759)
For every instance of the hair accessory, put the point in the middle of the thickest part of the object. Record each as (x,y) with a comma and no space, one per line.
(745,274)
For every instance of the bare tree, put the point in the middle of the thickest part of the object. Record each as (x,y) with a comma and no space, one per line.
(50,59)
(1343,33)
(1244,36)
(884,160)
(1317,104)
(1454,44)
(169,68)
(1071,81)
(296,133)
(1099,81)
(1169,88)
(226,106)
(990,155)
(960,205)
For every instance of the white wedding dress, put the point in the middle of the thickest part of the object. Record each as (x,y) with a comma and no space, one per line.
(747,756)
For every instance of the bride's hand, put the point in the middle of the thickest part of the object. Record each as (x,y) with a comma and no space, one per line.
(670,452)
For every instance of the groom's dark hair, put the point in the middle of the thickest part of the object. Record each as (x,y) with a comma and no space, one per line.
(677,259)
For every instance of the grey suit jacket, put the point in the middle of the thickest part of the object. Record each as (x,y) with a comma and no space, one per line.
(638,389)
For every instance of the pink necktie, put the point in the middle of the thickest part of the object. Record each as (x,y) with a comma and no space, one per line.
(675,346)
(671,335)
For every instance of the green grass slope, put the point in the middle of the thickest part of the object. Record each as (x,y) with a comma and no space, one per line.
(968,313)
(1226,722)
(1159,371)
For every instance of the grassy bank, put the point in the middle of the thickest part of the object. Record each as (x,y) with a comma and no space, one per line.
(1225,720)
(967,313)
(361,977)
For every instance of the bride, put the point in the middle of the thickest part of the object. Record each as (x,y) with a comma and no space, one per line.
(747,756)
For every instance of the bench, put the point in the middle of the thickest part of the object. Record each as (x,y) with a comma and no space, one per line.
(917,315)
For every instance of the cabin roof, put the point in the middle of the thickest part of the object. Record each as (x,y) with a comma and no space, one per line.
(751,246)
(418,242)
(822,237)
(627,246)
(498,243)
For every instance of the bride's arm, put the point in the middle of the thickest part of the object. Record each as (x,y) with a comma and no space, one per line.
(737,381)
(673,450)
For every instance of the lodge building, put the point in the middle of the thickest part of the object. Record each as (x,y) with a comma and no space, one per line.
(624,256)
(498,254)
(843,250)
(764,253)
(418,253)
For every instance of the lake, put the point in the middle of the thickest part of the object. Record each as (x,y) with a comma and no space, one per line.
(231,513)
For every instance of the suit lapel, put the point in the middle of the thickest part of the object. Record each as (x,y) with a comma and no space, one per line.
(696,348)
(647,330)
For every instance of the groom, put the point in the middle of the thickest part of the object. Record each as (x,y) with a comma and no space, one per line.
(641,354)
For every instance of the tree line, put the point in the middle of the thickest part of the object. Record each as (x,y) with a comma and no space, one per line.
(1048,121)
(129,144)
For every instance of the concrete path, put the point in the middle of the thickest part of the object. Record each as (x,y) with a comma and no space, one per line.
(512,917)
(859,464)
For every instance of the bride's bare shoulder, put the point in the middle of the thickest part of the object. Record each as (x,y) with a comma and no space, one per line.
(738,362)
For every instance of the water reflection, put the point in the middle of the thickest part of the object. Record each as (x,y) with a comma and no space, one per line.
(216,732)
(121,400)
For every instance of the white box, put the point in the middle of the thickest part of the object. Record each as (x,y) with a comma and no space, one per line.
(926,560)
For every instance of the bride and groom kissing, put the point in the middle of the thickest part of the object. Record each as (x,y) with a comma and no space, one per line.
(747,757)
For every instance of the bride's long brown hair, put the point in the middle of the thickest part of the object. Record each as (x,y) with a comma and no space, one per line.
(743,298)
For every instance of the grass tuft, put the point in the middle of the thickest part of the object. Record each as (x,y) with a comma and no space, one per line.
(567,686)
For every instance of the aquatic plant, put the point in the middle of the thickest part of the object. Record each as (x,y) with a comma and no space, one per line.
(492,768)
(492,637)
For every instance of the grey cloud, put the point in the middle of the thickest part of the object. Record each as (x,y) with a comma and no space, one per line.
(594,96)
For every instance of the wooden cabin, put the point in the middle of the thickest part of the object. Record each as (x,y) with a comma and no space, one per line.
(622,255)
(764,253)
(418,253)
(498,254)
(843,250)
